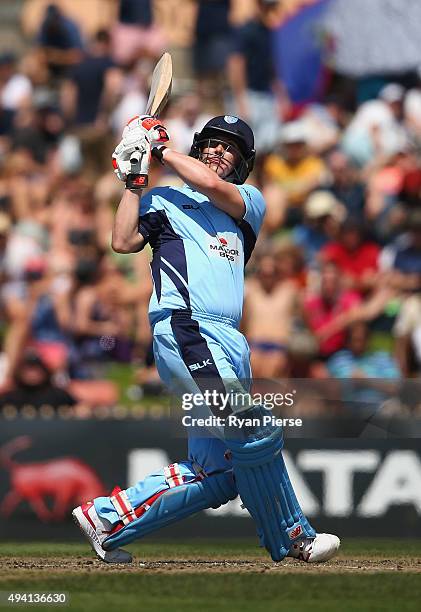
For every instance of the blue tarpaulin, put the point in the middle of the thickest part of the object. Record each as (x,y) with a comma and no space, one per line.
(298,52)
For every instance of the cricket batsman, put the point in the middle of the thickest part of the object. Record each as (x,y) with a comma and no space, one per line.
(202,235)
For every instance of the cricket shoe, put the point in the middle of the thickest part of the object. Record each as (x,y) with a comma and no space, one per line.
(315,550)
(96,531)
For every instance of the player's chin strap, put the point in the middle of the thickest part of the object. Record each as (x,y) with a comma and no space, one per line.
(263,483)
(179,490)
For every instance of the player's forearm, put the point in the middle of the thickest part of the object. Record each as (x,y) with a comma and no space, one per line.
(125,235)
(223,195)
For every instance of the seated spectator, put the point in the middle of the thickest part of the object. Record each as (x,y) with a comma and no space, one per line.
(323,122)
(60,40)
(73,227)
(33,385)
(384,187)
(295,173)
(361,365)
(376,127)
(270,303)
(324,311)
(322,216)
(38,131)
(101,323)
(355,256)
(44,299)
(346,184)
(38,296)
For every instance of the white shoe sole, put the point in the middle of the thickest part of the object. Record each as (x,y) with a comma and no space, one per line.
(108,556)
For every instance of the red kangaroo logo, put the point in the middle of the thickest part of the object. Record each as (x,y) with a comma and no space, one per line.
(68,481)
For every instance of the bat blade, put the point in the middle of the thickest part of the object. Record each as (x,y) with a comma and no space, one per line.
(160,86)
(159,93)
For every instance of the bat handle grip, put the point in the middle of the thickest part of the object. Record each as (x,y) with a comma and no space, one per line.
(135,157)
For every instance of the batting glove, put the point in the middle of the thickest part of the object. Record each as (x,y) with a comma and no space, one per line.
(152,128)
(131,159)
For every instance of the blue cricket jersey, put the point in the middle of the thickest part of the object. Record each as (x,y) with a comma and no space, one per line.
(199,251)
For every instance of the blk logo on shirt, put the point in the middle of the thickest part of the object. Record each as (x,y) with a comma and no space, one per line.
(200,365)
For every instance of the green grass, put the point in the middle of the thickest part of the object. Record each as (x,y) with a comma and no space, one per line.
(232,592)
(209,549)
(99,588)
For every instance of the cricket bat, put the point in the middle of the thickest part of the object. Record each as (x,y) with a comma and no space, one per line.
(159,93)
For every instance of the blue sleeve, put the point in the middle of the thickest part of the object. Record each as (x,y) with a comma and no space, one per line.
(150,216)
(255,207)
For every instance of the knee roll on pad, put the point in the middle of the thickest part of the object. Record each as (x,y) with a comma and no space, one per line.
(174,504)
(266,491)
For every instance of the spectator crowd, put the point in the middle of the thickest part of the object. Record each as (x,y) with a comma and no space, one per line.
(334,287)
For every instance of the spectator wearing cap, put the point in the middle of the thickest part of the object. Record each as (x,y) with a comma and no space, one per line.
(355,256)
(376,129)
(292,174)
(257,93)
(322,216)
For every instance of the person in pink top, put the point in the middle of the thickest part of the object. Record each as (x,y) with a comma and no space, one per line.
(325,310)
(355,256)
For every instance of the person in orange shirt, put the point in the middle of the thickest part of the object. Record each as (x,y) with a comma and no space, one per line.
(290,177)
